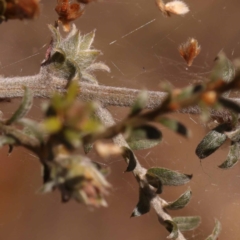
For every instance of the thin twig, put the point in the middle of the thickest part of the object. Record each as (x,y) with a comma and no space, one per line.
(139,172)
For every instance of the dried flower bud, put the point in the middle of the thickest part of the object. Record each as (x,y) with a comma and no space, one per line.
(174,7)
(68,12)
(189,50)
(78,178)
(22,9)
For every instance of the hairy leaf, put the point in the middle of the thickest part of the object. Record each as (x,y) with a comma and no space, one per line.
(87,41)
(229,104)
(234,135)
(212,141)
(233,156)
(129,155)
(175,126)
(216,231)
(172,227)
(223,69)
(33,128)
(181,202)
(58,56)
(5,140)
(139,103)
(24,107)
(155,181)
(169,177)
(144,137)
(187,223)
(143,205)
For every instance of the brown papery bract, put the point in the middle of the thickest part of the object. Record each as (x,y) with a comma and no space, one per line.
(68,12)
(22,9)
(189,50)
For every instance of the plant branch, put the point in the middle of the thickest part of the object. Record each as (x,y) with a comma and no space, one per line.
(44,85)
(139,172)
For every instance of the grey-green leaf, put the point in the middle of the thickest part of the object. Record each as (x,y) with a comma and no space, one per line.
(187,223)
(212,141)
(131,159)
(216,231)
(144,137)
(234,135)
(143,205)
(223,69)
(5,140)
(32,128)
(169,177)
(87,41)
(172,227)
(229,104)
(233,156)
(24,107)
(181,202)
(175,126)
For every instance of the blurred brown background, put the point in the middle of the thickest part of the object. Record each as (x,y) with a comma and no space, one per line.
(140,46)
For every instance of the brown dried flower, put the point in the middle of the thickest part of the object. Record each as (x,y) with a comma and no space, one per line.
(85,1)
(174,7)
(68,12)
(189,50)
(21,9)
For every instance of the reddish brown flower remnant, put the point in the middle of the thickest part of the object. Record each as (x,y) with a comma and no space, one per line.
(21,9)
(189,50)
(85,1)
(68,12)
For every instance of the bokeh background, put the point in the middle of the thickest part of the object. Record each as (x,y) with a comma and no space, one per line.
(140,46)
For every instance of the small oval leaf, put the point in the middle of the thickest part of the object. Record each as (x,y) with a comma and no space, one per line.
(181,202)
(216,231)
(143,205)
(212,141)
(233,156)
(172,227)
(24,107)
(229,104)
(187,223)
(144,137)
(155,181)
(129,155)
(175,126)
(169,177)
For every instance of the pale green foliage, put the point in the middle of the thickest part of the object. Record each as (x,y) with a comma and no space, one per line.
(73,56)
